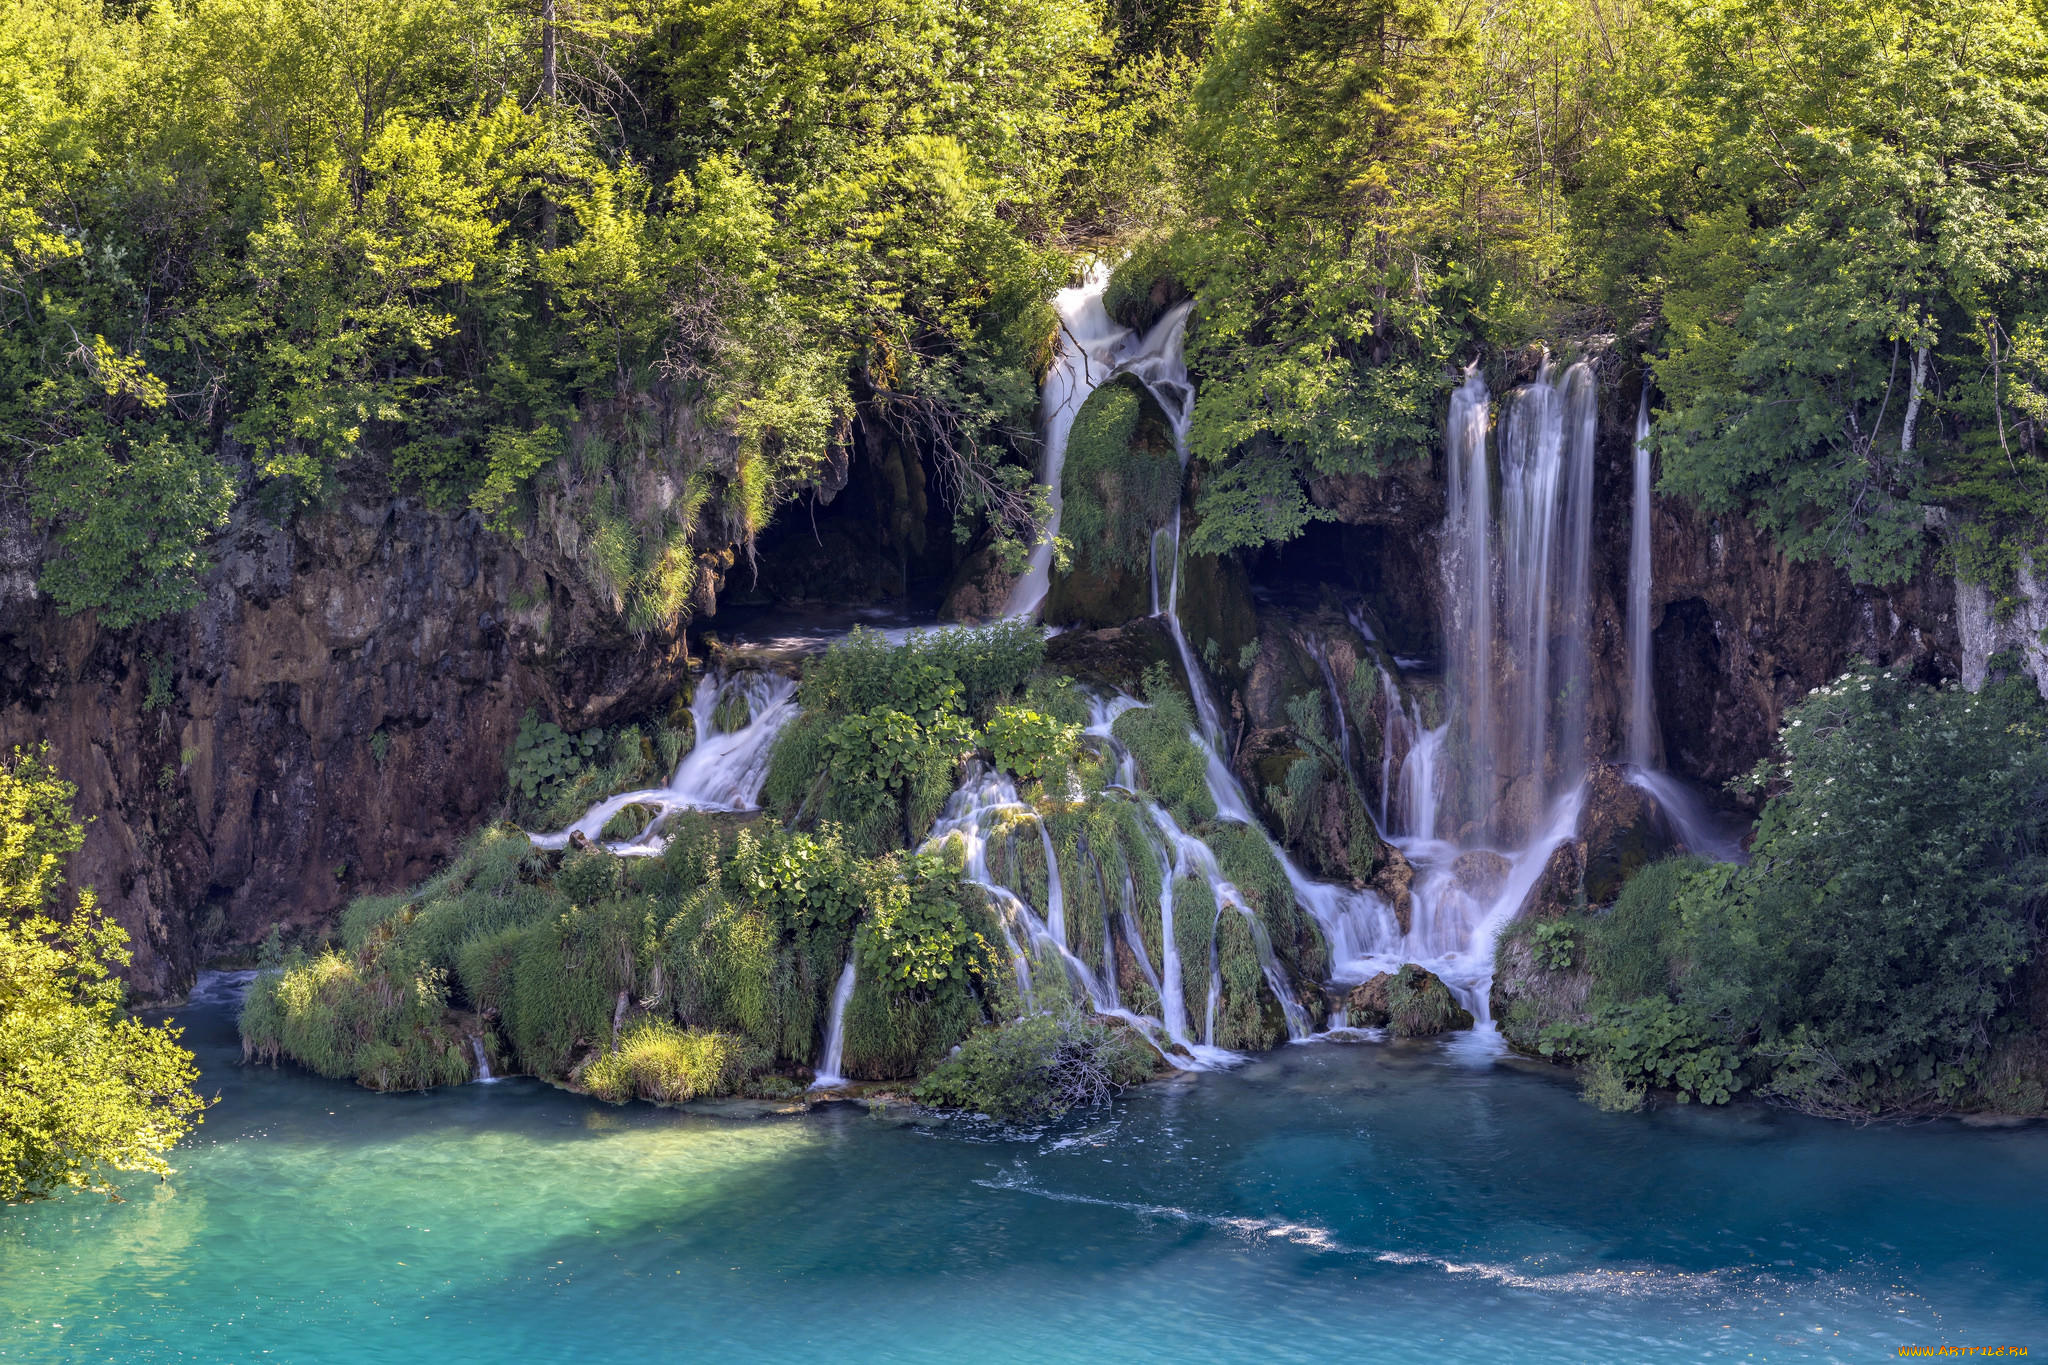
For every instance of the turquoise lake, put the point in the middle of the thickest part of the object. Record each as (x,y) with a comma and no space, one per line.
(1332,1201)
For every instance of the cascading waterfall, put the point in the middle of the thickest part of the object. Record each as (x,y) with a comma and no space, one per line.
(483,1061)
(1690,821)
(722,772)
(1093,350)
(1483,799)
(1642,739)
(835,1031)
(1035,945)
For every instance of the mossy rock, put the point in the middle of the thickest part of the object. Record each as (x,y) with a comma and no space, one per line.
(1413,1003)
(1116,658)
(627,824)
(1143,287)
(1096,595)
(1120,483)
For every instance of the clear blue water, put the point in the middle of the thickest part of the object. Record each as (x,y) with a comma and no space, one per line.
(1353,1202)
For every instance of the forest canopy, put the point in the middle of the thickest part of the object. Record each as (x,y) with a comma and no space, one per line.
(500,255)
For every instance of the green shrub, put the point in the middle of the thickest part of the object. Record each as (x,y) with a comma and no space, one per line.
(969,667)
(1631,948)
(885,727)
(1555,943)
(330,1016)
(1868,950)
(1648,1043)
(655,1060)
(1028,743)
(1039,1067)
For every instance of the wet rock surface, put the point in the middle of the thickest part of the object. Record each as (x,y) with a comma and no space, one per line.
(331,719)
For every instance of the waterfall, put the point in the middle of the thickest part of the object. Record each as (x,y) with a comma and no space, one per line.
(1691,822)
(1319,650)
(722,772)
(1090,344)
(1546,515)
(1642,740)
(483,1061)
(1466,561)
(835,1031)
(1480,801)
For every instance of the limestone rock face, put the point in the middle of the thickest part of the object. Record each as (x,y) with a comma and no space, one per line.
(331,719)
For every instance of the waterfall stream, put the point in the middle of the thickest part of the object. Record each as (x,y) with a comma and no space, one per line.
(722,772)
(1691,822)
(835,1031)
(1642,739)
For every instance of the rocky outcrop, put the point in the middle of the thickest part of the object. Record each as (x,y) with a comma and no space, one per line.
(1412,1003)
(332,718)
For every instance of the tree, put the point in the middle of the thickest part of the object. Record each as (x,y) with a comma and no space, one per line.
(85,1088)
(1351,228)
(1845,212)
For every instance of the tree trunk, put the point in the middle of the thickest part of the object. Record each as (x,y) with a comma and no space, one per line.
(1916,384)
(548,87)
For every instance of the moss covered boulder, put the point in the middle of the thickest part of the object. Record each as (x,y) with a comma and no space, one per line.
(1413,1003)
(1120,483)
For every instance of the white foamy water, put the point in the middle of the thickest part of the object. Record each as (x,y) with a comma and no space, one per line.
(722,772)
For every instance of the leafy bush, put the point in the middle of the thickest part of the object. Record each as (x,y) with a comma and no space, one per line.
(655,1060)
(1648,1043)
(1555,942)
(553,775)
(966,668)
(1039,1067)
(1874,940)
(885,726)
(1029,743)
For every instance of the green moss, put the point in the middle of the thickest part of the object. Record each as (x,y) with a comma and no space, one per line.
(1170,765)
(1248,862)
(1421,1006)
(326,1013)
(1194,931)
(1248,1018)
(1039,1067)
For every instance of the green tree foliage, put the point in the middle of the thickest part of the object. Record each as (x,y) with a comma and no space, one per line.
(1866,959)
(1351,218)
(265,246)
(1843,212)
(85,1088)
